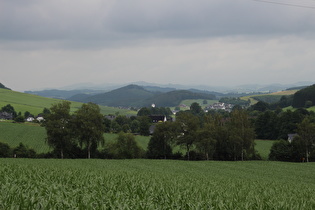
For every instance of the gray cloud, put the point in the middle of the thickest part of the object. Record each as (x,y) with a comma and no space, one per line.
(211,42)
(108,21)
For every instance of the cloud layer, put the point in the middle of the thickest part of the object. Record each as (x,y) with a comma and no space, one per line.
(178,41)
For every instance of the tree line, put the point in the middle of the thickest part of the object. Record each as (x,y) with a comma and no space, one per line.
(205,136)
(201,135)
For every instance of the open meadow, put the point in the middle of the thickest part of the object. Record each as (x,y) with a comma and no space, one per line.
(34,104)
(155,184)
(33,136)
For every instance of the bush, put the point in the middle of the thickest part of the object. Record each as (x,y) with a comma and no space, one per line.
(281,151)
(5,150)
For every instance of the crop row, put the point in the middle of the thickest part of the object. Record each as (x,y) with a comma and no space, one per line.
(149,184)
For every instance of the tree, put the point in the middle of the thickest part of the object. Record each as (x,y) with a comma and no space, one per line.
(187,126)
(242,135)
(126,147)
(196,109)
(144,112)
(160,143)
(5,150)
(144,125)
(306,132)
(23,151)
(206,141)
(9,109)
(281,151)
(58,127)
(89,127)
(260,106)
(266,125)
(135,126)
(19,119)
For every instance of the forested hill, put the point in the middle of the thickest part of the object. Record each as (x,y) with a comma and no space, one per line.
(304,97)
(137,96)
(4,87)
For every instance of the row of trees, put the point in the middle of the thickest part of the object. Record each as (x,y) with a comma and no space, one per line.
(277,125)
(21,151)
(205,135)
(64,130)
(301,148)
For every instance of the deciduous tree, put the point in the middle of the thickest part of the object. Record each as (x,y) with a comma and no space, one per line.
(58,127)
(89,127)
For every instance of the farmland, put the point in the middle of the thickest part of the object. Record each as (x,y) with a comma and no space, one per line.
(155,184)
(33,135)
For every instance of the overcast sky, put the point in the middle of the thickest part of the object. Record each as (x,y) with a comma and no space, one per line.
(55,43)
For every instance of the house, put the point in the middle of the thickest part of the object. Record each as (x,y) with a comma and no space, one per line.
(39,118)
(6,116)
(30,119)
(158,118)
(291,137)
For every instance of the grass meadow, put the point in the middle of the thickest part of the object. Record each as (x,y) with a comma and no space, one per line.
(23,102)
(263,147)
(33,136)
(155,184)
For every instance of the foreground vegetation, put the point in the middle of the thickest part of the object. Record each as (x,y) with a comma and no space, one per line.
(155,184)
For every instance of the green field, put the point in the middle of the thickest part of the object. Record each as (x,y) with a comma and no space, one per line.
(23,102)
(263,147)
(188,102)
(155,184)
(33,136)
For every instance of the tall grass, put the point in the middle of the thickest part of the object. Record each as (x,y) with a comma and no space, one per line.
(155,184)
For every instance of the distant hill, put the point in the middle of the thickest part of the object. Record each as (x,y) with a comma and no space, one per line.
(4,87)
(137,96)
(131,95)
(63,94)
(304,97)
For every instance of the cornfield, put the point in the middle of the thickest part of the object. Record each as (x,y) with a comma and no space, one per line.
(155,184)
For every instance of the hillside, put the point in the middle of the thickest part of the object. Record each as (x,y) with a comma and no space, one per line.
(137,96)
(3,87)
(131,95)
(268,98)
(304,97)
(23,102)
(63,94)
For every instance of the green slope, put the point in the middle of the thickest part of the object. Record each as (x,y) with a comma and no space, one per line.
(33,136)
(35,104)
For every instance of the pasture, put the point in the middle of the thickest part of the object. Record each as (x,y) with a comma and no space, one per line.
(33,136)
(263,147)
(155,184)
(23,102)
(188,102)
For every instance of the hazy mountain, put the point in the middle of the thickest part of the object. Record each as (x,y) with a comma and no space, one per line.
(137,96)
(225,88)
(63,94)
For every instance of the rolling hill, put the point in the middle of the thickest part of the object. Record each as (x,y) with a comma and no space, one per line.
(137,96)
(23,102)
